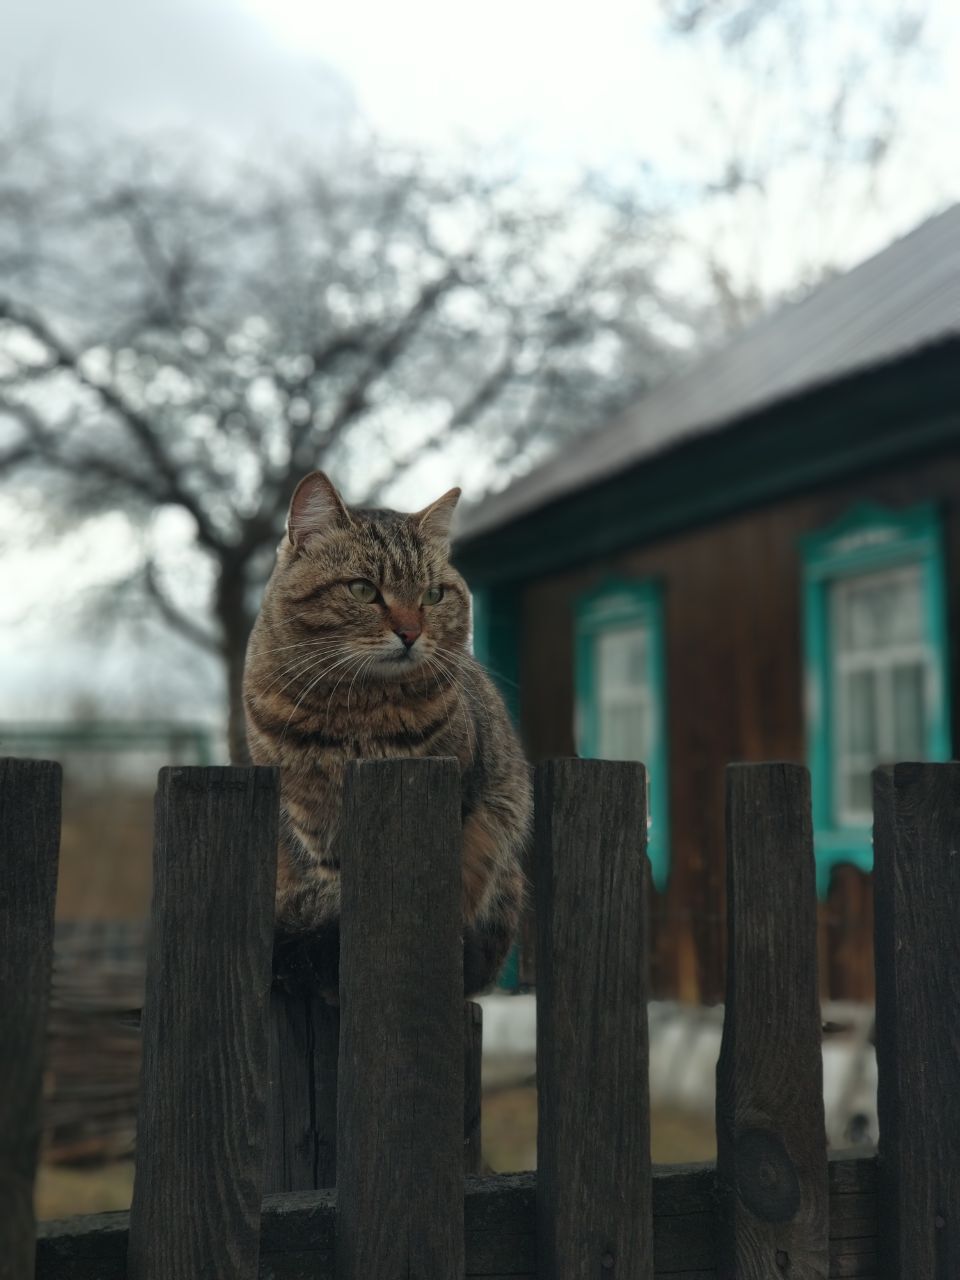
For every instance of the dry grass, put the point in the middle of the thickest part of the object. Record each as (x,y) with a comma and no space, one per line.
(509,1145)
(62,1192)
(510,1132)
(105,854)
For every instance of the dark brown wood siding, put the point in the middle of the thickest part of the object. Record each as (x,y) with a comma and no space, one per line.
(734,652)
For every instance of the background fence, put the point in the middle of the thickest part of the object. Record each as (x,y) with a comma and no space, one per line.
(227,1087)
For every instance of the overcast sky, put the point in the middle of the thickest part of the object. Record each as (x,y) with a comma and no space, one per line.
(566,84)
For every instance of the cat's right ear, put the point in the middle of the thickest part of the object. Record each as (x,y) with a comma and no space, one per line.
(315,507)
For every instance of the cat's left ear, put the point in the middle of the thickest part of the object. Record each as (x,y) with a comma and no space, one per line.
(315,507)
(434,521)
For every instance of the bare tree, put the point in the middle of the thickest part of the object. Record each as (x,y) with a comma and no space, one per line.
(808,108)
(183,333)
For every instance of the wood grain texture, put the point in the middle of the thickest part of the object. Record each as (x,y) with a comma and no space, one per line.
(593,1143)
(771,1143)
(472,1086)
(500,1229)
(400,1118)
(29,845)
(302,1093)
(917,857)
(199,1172)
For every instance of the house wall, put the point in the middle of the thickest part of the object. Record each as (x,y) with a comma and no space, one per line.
(732,601)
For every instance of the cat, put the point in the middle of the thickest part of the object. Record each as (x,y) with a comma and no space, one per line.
(360,651)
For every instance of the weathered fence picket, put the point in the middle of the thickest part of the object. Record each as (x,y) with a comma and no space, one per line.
(199,1164)
(406,1123)
(472,1086)
(771,1141)
(29,847)
(917,877)
(594,1212)
(302,1093)
(400,1105)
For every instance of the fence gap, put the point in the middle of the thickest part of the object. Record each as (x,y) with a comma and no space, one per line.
(400,1109)
(917,887)
(29,849)
(302,1093)
(199,1164)
(771,1142)
(594,1211)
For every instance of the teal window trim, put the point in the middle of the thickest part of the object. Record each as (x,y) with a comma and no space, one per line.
(615,603)
(495,613)
(868,539)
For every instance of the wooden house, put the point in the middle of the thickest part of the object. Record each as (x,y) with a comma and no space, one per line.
(760,560)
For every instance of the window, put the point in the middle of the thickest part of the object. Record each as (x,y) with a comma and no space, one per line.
(876,666)
(620,694)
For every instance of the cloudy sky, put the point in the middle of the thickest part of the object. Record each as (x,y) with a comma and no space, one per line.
(565,85)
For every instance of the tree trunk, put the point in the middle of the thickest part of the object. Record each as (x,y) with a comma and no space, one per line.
(235,622)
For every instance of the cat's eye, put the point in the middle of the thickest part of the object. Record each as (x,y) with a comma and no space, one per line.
(363,590)
(433,595)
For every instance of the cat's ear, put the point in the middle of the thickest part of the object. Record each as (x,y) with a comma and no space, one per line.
(434,521)
(315,507)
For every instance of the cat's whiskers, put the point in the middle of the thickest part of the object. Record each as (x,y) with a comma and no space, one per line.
(364,667)
(350,657)
(444,671)
(300,644)
(343,677)
(305,665)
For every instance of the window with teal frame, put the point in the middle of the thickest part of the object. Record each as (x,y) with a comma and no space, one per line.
(876,666)
(621,693)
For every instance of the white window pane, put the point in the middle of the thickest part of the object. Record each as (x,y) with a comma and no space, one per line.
(882,664)
(878,610)
(858,794)
(860,719)
(624,732)
(623,693)
(622,658)
(909,713)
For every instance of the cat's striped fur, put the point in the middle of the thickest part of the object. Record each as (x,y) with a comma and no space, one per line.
(348,660)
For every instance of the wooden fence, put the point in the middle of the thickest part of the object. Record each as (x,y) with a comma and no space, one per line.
(235,1097)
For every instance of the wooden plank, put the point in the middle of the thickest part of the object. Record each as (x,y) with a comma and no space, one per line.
(29,847)
(400,1115)
(917,853)
(500,1224)
(302,1093)
(199,1173)
(472,1089)
(771,1143)
(593,1143)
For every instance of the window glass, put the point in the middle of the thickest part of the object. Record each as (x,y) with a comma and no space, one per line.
(623,694)
(882,667)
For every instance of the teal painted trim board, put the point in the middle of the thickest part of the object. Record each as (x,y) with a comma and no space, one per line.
(618,603)
(496,640)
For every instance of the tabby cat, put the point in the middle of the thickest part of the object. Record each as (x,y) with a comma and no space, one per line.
(360,651)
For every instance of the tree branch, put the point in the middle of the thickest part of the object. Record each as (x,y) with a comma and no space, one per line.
(383,357)
(175,616)
(138,423)
(462,417)
(42,446)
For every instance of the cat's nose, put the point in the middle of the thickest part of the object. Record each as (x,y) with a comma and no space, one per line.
(407,634)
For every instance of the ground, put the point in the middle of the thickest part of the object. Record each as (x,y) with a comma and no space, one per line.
(509,1142)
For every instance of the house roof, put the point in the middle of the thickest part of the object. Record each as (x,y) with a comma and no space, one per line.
(905,298)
